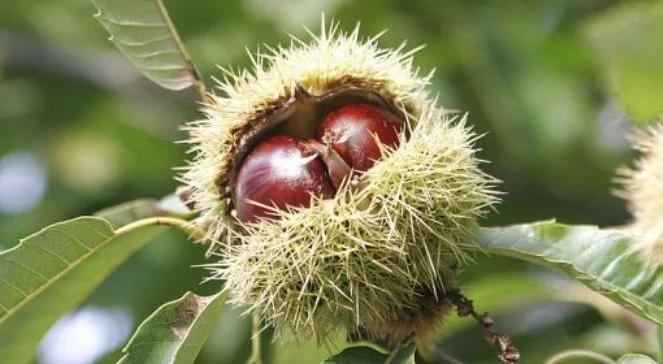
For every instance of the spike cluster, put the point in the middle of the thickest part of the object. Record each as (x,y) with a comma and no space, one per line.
(643,190)
(359,258)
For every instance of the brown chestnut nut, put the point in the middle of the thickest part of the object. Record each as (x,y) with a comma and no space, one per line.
(279,172)
(351,131)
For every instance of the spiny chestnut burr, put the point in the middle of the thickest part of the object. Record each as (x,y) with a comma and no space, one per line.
(280,172)
(351,131)
(330,264)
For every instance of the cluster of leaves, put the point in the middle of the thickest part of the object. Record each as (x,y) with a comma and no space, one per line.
(54,270)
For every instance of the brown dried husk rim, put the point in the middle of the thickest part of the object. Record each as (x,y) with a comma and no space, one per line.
(359,259)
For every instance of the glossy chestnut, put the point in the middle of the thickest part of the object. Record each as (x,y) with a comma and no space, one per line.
(351,131)
(279,172)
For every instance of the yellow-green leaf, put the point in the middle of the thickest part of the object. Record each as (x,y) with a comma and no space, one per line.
(49,273)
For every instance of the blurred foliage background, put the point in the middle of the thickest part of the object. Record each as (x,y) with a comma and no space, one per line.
(553,84)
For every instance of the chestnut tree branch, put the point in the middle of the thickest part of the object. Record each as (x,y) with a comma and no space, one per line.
(509,354)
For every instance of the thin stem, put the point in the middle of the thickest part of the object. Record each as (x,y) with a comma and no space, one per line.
(392,356)
(579,354)
(181,224)
(256,357)
(508,352)
(198,80)
(397,351)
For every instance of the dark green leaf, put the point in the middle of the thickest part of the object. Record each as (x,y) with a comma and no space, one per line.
(175,332)
(368,355)
(601,259)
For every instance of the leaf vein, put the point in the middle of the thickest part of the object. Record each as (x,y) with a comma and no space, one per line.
(28,268)
(48,251)
(130,23)
(127,43)
(74,239)
(10,285)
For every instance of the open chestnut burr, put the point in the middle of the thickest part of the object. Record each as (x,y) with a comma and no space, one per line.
(335,190)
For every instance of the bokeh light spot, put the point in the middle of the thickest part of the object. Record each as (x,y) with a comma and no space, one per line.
(22,182)
(85,335)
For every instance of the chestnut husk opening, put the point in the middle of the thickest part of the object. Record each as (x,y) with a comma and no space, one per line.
(299,116)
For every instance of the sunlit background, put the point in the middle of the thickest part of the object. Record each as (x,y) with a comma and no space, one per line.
(553,84)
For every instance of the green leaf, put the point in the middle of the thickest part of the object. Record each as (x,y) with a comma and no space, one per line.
(623,39)
(175,332)
(601,259)
(368,355)
(49,273)
(635,359)
(144,33)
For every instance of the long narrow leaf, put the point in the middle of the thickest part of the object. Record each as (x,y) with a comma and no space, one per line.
(51,272)
(601,259)
(144,33)
(175,332)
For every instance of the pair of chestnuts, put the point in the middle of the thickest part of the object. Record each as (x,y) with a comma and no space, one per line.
(283,171)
